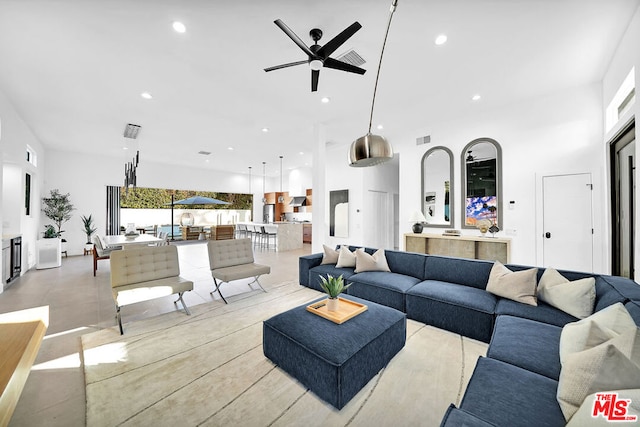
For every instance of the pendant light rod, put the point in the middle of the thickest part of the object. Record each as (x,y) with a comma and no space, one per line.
(250,180)
(281,174)
(375,87)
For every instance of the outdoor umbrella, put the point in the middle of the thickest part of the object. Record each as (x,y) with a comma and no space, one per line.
(195,200)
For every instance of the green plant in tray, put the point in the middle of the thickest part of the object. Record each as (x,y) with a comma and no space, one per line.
(333,286)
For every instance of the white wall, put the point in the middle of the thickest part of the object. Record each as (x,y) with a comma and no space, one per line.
(14,138)
(559,132)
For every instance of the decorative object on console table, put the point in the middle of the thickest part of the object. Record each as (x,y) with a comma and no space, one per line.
(483,225)
(418,220)
(333,286)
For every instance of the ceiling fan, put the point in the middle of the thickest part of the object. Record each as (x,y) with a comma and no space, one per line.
(471,158)
(319,55)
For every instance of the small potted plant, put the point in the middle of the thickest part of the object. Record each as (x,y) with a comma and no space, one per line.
(87,222)
(333,286)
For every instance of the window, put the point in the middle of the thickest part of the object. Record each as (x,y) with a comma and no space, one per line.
(622,101)
(31,156)
(27,194)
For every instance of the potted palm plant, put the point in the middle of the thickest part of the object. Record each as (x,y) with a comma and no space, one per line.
(333,286)
(87,222)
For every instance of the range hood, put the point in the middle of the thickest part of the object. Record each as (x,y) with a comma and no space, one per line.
(298,201)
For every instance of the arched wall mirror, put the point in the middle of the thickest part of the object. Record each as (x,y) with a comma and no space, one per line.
(481,168)
(437,187)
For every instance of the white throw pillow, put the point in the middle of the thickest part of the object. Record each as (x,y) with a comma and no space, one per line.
(375,262)
(596,329)
(613,365)
(518,286)
(346,258)
(576,298)
(330,255)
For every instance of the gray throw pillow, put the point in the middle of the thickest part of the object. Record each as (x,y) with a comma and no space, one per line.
(518,286)
(577,298)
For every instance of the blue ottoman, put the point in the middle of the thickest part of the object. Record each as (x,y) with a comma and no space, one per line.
(334,361)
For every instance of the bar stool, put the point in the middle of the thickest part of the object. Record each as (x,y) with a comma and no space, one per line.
(267,235)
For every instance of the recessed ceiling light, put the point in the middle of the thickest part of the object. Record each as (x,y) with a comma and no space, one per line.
(441,39)
(380,127)
(301,153)
(179,27)
(325,100)
(146,95)
(476,97)
(265,130)
(125,148)
(230,148)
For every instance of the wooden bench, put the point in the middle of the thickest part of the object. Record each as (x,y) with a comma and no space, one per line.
(233,260)
(147,272)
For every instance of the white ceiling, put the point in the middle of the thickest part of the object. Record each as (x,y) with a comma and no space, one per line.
(74,70)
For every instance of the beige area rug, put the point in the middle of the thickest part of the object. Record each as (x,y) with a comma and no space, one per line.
(208,369)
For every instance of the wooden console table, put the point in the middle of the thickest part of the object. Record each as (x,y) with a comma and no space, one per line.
(475,247)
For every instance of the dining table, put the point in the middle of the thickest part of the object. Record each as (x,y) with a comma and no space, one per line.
(121,240)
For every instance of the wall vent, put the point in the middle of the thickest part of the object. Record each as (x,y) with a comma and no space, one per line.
(131,131)
(351,57)
(423,140)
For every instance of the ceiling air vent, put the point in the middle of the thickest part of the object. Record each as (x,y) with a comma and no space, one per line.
(204,153)
(351,57)
(131,131)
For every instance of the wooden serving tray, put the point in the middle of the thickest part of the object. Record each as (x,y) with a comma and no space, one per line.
(347,309)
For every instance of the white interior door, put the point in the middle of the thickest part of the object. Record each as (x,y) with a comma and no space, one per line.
(567,222)
(380,221)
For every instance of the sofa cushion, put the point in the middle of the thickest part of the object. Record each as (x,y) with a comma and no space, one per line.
(305,264)
(611,365)
(542,313)
(375,262)
(633,308)
(468,272)
(461,309)
(507,395)
(407,263)
(612,289)
(531,345)
(330,255)
(518,286)
(455,417)
(385,288)
(346,258)
(576,297)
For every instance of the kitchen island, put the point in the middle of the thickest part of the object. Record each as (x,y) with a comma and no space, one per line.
(288,234)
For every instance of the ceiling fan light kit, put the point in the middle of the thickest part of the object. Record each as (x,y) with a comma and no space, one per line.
(371,150)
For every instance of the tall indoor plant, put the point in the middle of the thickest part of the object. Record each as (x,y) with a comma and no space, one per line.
(57,207)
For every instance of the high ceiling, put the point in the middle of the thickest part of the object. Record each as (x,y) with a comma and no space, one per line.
(75,69)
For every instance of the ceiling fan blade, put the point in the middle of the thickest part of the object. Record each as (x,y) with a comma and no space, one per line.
(290,64)
(315,74)
(294,37)
(338,40)
(343,66)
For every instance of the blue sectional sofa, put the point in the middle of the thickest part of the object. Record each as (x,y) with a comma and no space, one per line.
(516,383)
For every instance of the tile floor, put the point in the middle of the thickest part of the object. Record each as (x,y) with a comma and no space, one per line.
(80,303)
